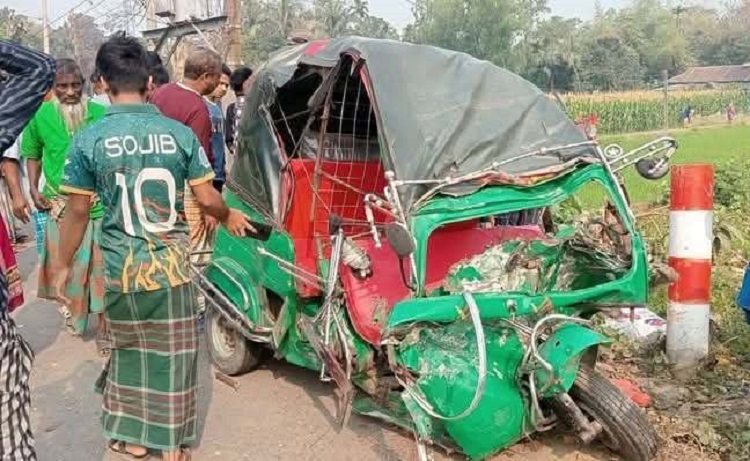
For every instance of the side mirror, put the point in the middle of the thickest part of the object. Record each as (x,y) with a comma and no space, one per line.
(400,240)
(651,168)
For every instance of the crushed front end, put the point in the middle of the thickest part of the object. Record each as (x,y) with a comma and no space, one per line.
(504,282)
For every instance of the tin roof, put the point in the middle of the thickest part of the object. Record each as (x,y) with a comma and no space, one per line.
(714,74)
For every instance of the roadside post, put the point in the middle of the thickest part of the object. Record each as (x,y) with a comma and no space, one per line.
(690,256)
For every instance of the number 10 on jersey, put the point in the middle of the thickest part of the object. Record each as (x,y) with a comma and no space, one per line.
(144,176)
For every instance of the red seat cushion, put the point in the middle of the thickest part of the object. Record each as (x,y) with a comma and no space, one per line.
(312,206)
(370,300)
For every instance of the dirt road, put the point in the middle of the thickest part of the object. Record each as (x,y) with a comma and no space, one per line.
(277,413)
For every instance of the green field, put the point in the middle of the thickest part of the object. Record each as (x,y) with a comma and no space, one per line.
(701,145)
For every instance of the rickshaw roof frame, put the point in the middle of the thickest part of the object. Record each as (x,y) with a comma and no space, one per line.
(462,116)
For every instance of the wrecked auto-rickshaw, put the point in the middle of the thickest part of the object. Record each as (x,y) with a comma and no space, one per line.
(415,250)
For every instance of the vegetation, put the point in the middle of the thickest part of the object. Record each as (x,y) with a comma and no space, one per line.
(619,49)
(636,111)
(720,146)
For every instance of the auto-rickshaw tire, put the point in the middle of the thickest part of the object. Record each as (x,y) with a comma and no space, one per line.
(626,430)
(245,356)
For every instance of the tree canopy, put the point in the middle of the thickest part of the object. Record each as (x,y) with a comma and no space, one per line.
(618,49)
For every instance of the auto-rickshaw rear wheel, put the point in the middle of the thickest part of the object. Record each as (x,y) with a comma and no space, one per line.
(625,429)
(232,353)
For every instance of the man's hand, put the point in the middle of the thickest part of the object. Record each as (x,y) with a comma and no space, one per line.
(41,203)
(61,283)
(21,209)
(211,223)
(238,224)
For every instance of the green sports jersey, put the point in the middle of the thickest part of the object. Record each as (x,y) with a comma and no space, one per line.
(138,162)
(46,138)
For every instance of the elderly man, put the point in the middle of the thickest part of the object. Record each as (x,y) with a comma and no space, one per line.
(28,76)
(185,103)
(45,144)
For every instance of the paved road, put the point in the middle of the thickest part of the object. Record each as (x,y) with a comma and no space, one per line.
(278,413)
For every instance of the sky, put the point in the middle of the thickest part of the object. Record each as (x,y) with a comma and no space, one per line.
(397,12)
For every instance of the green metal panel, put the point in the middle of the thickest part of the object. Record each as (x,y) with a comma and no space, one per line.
(445,357)
(244,251)
(563,350)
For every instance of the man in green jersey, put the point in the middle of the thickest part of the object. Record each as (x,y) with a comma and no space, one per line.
(138,162)
(45,144)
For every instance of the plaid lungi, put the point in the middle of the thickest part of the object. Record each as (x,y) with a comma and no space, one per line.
(85,289)
(16,439)
(201,240)
(149,384)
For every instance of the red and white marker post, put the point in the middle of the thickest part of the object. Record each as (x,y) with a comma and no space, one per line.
(690,255)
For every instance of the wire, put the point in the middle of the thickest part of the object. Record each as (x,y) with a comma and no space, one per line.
(49,24)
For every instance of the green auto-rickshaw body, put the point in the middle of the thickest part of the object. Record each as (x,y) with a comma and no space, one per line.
(467,121)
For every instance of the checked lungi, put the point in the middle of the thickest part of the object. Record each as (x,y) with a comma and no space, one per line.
(201,239)
(85,287)
(16,439)
(149,385)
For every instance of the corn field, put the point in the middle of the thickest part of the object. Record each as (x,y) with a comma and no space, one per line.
(635,111)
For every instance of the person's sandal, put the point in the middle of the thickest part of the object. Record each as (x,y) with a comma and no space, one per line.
(121,448)
(103,344)
(68,319)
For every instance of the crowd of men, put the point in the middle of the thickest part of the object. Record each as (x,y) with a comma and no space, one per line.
(126,189)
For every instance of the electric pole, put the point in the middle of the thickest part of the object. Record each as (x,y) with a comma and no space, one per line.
(151,14)
(234,35)
(75,38)
(45,25)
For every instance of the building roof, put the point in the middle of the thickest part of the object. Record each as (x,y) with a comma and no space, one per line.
(713,74)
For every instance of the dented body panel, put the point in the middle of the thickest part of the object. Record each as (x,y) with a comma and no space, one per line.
(396,267)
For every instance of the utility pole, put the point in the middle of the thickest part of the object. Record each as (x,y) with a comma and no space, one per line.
(665,77)
(234,34)
(151,14)
(76,39)
(45,25)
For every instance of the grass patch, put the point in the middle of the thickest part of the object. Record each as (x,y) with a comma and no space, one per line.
(717,145)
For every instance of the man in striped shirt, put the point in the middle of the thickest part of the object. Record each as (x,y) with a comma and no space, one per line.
(28,75)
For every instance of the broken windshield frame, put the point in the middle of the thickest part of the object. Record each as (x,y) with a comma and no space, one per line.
(498,200)
(439,184)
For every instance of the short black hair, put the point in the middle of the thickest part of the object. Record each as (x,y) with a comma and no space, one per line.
(123,63)
(154,60)
(226,70)
(159,76)
(95,76)
(238,78)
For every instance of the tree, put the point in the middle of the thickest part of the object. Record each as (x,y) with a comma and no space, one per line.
(269,23)
(611,64)
(85,38)
(333,17)
(486,29)
(550,54)
(729,43)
